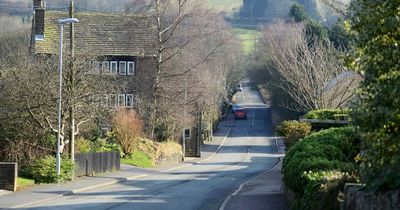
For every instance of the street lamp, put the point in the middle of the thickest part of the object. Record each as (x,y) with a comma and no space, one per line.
(61,22)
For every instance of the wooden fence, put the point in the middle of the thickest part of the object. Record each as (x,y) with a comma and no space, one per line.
(89,164)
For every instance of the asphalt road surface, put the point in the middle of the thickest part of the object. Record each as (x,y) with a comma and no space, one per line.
(248,151)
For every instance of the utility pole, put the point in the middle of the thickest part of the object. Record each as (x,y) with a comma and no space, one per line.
(185,120)
(72,85)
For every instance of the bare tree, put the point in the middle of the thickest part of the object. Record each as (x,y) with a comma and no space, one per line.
(311,73)
(181,26)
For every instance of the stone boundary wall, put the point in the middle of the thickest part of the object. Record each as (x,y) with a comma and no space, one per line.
(357,199)
(8,176)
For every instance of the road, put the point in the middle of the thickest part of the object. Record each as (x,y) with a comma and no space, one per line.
(248,150)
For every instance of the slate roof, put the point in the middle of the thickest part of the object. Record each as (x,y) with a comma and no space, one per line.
(102,34)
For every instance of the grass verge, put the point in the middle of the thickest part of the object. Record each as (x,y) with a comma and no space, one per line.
(139,159)
(24,183)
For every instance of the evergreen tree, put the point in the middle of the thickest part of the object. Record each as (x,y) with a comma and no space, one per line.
(297,13)
(377,108)
(339,36)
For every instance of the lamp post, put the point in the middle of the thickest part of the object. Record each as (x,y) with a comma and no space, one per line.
(61,22)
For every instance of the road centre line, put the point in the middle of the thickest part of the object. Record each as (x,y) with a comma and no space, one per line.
(223,206)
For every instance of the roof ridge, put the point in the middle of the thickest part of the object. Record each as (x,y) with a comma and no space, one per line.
(100,13)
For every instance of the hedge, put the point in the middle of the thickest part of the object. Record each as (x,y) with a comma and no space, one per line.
(333,149)
(293,131)
(326,114)
(43,170)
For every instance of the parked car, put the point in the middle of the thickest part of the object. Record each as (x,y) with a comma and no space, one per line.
(236,107)
(240,114)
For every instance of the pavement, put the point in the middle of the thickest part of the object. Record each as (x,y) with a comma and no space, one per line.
(46,192)
(263,192)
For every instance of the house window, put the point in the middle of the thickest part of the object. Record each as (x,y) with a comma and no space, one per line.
(129,100)
(121,100)
(122,68)
(105,65)
(95,67)
(114,67)
(131,68)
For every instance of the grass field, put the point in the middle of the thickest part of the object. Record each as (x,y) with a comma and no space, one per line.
(224,5)
(248,38)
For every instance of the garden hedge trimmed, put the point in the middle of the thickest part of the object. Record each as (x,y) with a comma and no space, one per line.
(326,114)
(333,149)
(293,131)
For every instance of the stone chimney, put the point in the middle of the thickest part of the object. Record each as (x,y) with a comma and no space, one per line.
(38,4)
(38,19)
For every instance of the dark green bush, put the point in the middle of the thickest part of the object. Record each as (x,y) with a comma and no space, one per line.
(376,108)
(43,170)
(327,150)
(325,114)
(293,131)
(323,189)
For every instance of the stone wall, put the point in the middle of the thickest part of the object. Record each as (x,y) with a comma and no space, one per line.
(8,176)
(357,199)
(193,146)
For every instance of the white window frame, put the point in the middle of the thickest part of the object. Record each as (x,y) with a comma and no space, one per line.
(95,66)
(105,66)
(112,70)
(122,67)
(129,100)
(121,100)
(131,71)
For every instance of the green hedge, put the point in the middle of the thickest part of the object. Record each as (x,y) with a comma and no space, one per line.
(323,188)
(327,150)
(326,114)
(293,131)
(43,170)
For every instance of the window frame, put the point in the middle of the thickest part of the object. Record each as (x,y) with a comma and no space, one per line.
(121,104)
(105,70)
(111,67)
(122,63)
(95,66)
(131,100)
(129,70)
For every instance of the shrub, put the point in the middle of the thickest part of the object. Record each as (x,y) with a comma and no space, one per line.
(293,131)
(128,128)
(168,152)
(43,170)
(327,150)
(325,114)
(376,108)
(323,189)
(165,128)
(83,145)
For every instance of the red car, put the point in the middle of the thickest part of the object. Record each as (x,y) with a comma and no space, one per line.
(240,114)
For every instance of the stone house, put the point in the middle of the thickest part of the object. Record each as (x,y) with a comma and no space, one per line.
(122,45)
